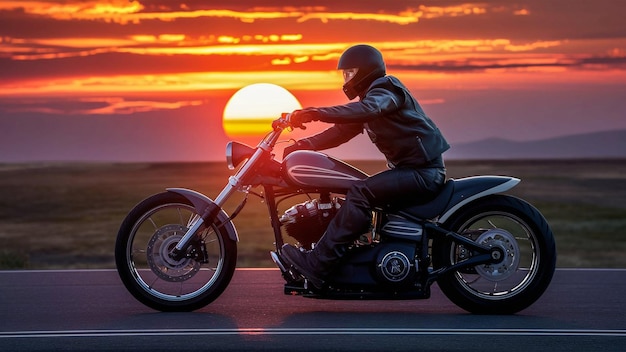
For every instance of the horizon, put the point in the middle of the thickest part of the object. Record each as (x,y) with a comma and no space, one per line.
(145,80)
(455,157)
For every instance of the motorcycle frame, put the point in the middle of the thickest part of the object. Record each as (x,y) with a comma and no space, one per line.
(244,179)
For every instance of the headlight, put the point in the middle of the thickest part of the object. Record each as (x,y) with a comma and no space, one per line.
(236,153)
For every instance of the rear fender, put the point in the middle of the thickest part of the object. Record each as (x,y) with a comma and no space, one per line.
(469,189)
(201,203)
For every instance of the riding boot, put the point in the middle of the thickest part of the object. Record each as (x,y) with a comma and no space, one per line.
(352,220)
(315,264)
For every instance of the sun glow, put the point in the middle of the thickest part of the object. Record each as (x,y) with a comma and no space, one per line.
(125,12)
(251,110)
(167,83)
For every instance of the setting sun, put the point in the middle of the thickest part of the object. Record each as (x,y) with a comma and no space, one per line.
(251,110)
(106,71)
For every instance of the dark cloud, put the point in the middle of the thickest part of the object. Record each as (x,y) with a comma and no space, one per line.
(599,62)
(584,35)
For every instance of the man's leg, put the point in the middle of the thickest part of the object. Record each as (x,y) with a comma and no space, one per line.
(353,219)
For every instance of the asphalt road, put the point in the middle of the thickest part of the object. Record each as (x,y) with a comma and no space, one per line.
(582,310)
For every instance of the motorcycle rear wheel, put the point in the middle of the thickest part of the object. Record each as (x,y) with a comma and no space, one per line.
(520,279)
(144,240)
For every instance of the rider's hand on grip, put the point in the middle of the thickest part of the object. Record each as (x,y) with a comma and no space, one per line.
(298,118)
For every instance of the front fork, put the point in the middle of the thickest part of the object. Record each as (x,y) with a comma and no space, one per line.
(180,251)
(208,211)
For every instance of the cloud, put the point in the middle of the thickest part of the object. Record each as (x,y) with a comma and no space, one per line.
(157,46)
(133,12)
(122,106)
(90,106)
(529,62)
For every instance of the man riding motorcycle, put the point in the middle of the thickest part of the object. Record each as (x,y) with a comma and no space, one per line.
(397,125)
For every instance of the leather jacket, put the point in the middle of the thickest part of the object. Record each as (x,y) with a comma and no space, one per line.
(394,121)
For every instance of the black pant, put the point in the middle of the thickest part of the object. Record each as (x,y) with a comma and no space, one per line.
(390,188)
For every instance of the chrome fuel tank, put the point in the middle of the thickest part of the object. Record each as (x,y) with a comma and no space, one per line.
(309,169)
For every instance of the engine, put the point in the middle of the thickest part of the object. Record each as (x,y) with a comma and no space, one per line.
(391,255)
(397,261)
(306,222)
(396,264)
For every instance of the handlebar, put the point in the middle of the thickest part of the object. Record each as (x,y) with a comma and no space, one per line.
(278,126)
(285,121)
(282,122)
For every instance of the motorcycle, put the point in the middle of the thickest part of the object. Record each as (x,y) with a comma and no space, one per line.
(489,252)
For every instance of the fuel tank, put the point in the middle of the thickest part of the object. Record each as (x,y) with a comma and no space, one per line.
(309,169)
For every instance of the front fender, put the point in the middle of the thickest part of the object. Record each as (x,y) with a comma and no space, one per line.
(201,203)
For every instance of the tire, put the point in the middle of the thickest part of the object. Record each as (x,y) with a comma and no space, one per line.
(145,237)
(511,285)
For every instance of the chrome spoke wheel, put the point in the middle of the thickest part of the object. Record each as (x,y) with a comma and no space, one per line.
(519,265)
(523,262)
(151,240)
(144,244)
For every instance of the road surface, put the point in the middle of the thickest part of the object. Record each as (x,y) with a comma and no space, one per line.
(90,310)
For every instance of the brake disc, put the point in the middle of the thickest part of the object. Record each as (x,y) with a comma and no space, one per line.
(508,244)
(159,247)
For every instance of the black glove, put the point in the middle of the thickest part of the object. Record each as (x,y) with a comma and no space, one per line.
(299,117)
(303,144)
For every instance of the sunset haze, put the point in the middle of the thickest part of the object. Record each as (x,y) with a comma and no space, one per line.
(123,80)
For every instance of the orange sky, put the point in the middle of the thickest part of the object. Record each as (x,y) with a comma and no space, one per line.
(111,80)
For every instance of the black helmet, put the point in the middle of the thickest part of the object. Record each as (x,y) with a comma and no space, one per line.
(370,63)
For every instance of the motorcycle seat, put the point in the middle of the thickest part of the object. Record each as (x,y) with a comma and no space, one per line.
(434,207)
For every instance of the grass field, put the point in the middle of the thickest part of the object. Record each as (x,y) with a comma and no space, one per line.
(67,215)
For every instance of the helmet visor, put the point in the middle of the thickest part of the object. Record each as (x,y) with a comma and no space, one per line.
(349,74)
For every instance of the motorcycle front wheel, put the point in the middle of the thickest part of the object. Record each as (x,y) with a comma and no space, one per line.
(520,278)
(147,235)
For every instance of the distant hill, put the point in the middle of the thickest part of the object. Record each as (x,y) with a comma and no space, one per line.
(609,144)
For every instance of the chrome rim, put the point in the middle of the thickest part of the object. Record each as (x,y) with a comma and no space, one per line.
(519,267)
(153,235)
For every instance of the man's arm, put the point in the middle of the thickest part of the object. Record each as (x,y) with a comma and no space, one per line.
(335,135)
